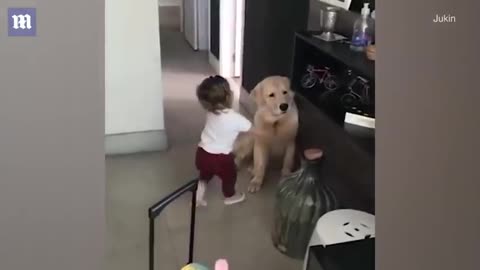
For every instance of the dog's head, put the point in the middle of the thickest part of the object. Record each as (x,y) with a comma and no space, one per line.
(274,94)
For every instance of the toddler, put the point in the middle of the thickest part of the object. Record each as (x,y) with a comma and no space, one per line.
(214,153)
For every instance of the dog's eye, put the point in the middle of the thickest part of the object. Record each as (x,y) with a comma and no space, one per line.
(285,92)
(271,95)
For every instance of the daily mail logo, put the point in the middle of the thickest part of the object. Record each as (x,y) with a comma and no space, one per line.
(22,22)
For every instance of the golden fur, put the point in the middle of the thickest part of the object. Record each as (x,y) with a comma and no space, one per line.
(276,128)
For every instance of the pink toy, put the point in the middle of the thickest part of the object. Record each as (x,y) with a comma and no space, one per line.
(221,264)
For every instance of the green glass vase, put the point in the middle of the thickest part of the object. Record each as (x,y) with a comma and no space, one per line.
(301,199)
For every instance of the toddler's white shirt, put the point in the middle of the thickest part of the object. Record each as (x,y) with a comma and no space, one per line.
(221,130)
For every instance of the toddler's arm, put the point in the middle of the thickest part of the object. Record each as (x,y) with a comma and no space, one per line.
(242,123)
(256,132)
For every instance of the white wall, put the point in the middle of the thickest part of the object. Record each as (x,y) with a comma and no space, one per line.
(52,165)
(133,94)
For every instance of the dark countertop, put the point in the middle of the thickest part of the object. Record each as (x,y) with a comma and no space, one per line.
(349,165)
(341,52)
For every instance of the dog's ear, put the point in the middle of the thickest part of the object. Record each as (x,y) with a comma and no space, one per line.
(257,94)
(286,83)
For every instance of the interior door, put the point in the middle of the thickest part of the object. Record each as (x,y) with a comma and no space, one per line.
(190,18)
(215,28)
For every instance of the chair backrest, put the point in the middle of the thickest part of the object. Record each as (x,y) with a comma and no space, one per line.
(345,225)
(345,4)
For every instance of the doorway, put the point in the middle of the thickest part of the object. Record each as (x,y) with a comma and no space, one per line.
(239,25)
(171,14)
(226,21)
(184,65)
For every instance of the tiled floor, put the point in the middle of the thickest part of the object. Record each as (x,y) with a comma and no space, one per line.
(240,233)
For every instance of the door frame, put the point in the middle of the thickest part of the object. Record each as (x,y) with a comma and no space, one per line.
(227,37)
(232,16)
(195,42)
(212,59)
(239,32)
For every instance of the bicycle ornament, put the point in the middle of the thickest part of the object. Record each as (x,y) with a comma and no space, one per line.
(319,76)
(356,97)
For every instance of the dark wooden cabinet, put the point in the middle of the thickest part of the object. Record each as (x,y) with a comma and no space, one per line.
(341,80)
(269,32)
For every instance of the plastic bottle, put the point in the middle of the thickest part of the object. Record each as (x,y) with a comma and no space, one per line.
(361,37)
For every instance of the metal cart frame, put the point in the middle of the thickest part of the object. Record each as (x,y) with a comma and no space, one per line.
(155,210)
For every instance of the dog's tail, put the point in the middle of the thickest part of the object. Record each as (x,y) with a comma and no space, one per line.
(243,146)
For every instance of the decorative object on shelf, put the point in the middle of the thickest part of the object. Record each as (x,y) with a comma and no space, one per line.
(301,199)
(358,93)
(371,52)
(328,18)
(344,64)
(320,76)
(362,30)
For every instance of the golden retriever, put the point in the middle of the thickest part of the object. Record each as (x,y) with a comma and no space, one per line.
(276,120)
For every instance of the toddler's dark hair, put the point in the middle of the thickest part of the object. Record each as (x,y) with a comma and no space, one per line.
(214,94)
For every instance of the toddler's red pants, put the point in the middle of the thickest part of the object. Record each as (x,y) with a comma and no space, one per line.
(221,165)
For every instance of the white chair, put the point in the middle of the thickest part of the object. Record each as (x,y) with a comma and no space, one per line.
(341,226)
(345,4)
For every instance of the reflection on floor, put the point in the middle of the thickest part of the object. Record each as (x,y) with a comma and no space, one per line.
(240,233)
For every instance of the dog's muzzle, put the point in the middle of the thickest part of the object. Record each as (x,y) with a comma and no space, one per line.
(283,107)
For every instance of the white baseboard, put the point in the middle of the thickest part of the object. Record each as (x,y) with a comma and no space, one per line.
(169,3)
(137,142)
(214,62)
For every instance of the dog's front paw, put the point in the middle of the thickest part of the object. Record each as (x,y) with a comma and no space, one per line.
(254,185)
(250,169)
